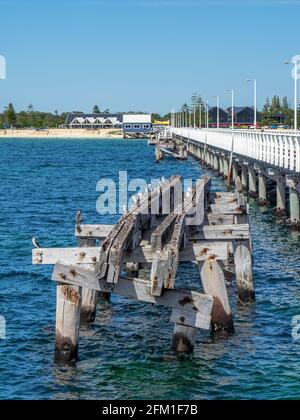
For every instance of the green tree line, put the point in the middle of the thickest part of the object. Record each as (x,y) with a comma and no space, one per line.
(270,113)
(36,119)
(30,118)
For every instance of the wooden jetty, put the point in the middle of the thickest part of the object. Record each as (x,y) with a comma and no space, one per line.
(266,163)
(210,230)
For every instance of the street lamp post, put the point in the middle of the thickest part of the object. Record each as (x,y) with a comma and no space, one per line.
(207,118)
(295,61)
(255,100)
(218,111)
(200,115)
(232,108)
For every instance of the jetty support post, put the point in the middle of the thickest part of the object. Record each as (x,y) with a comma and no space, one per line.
(235,170)
(184,338)
(213,282)
(225,167)
(221,165)
(252,182)
(216,162)
(243,270)
(244,177)
(68,308)
(294,208)
(262,189)
(281,201)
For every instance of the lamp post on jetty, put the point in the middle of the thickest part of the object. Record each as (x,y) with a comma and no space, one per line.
(255,100)
(206,116)
(295,61)
(232,107)
(218,111)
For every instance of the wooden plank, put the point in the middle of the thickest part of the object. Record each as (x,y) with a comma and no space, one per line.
(220,219)
(50,256)
(164,266)
(137,289)
(124,241)
(188,318)
(126,234)
(226,209)
(94,231)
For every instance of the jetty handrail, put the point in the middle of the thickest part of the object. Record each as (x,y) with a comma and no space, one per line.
(279,149)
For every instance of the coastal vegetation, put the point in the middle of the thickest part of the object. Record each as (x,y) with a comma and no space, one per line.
(272,111)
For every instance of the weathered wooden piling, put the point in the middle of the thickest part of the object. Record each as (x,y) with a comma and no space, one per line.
(294,208)
(252,182)
(262,189)
(68,306)
(184,338)
(280,209)
(213,282)
(244,177)
(243,270)
(89,296)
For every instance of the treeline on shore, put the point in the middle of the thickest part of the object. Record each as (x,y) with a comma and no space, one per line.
(33,118)
(268,115)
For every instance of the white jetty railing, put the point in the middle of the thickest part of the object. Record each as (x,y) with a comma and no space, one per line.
(281,149)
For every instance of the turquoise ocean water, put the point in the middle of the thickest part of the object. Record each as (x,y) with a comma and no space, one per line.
(126,352)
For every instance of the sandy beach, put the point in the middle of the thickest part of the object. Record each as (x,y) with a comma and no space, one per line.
(62,133)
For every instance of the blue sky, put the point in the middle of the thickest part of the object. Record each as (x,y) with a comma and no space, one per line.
(148,55)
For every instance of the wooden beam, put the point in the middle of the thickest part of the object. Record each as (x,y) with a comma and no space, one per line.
(221,232)
(93,231)
(227,209)
(167,247)
(127,234)
(138,289)
(165,263)
(220,219)
(50,256)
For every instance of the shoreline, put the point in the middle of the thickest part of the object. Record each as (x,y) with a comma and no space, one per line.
(62,133)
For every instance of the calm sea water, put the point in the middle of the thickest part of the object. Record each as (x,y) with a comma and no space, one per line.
(126,352)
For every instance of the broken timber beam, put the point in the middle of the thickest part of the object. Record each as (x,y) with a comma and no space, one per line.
(143,254)
(195,303)
(127,233)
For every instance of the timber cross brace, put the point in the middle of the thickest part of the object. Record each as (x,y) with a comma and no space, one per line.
(210,230)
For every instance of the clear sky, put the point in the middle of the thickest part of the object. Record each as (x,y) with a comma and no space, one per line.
(148,55)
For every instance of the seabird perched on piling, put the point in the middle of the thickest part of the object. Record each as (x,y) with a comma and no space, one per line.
(78,218)
(35,243)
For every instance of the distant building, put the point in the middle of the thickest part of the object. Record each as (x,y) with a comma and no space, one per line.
(137,125)
(213,116)
(242,115)
(93,121)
